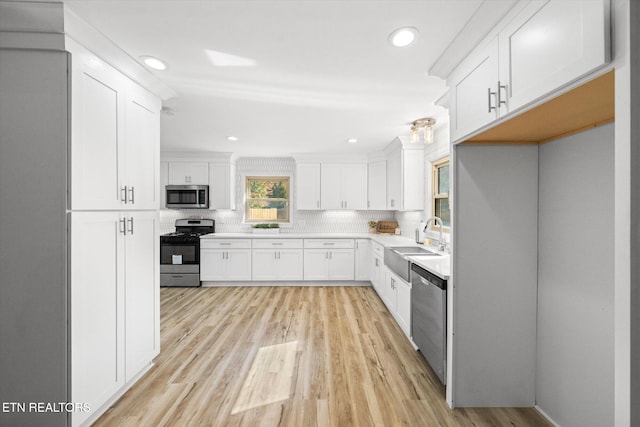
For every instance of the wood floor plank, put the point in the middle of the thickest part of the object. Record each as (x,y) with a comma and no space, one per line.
(335,357)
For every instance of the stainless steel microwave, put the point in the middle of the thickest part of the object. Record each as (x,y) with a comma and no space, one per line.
(187,196)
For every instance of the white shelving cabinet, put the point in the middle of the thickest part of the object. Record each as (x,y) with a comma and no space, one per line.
(227,260)
(329,259)
(308,186)
(184,173)
(343,186)
(277,259)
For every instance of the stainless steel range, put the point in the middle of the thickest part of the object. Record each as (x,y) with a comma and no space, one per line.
(180,252)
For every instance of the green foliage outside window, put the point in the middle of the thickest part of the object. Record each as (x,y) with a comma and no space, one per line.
(267,199)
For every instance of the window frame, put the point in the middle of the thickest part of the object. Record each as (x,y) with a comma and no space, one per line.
(435,166)
(248,200)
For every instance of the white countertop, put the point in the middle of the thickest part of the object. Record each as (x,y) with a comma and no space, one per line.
(440,266)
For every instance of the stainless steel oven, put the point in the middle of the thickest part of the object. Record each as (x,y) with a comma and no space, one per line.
(180,252)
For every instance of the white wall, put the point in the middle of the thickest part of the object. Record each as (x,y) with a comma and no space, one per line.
(574,379)
(409,221)
(494,273)
(626,19)
(33,233)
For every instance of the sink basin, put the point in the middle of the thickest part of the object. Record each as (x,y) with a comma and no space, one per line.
(412,250)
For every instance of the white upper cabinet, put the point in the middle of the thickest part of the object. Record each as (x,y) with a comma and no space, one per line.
(377,185)
(551,43)
(405,177)
(222,185)
(308,186)
(343,186)
(115,138)
(544,46)
(475,91)
(185,173)
(142,149)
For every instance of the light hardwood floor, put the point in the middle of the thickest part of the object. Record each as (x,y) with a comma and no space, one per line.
(290,356)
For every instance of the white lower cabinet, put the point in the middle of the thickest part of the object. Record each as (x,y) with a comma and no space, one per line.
(142,292)
(277,259)
(114,302)
(363,259)
(329,259)
(403,305)
(389,293)
(377,268)
(397,298)
(228,260)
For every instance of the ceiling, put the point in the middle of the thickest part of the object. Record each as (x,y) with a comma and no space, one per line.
(288,76)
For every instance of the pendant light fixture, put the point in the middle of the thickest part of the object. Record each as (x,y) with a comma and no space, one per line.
(422,127)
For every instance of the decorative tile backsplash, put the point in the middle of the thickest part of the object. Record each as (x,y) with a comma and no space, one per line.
(228,221)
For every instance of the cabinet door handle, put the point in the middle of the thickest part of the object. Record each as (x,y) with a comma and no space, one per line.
(329,243)
(393,202)
(224,244)
(489,95)
(377,265)
(131,193)
(330,255)
(123,226)
(123,194)
(500,100)
(368,204)
(318,204)
(277,244)
(131,225)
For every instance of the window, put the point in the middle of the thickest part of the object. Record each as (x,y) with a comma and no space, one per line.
(267,199)
(441,192)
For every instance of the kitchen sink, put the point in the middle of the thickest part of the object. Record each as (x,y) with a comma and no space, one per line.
(412,250)
(396,258)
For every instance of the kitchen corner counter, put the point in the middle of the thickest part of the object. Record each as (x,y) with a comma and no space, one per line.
(440,266)
(383,239)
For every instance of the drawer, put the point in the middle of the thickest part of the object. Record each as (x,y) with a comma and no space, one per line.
(378,249)
(225,243)
(329,243)
(277,243)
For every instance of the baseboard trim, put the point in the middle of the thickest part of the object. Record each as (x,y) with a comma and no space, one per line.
(209,284)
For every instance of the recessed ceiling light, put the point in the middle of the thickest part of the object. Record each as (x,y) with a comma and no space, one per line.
(154,63)
(403,37)
(232,138)
(352,140)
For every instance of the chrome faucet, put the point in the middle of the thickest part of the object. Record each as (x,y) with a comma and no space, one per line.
(442,245)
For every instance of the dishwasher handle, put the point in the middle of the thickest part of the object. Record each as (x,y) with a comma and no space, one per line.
(427,277)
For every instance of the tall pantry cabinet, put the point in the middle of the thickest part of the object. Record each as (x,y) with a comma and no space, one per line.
(79,246)
(114,229)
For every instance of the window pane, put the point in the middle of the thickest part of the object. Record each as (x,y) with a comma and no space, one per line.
(267,199)
(268,189)
(442,210)
(443,180)
(276,210)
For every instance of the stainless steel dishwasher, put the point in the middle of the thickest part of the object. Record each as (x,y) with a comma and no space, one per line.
(429,318)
